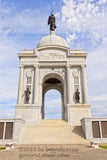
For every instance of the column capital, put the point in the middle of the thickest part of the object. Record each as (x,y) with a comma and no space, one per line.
(83,66)
(36,65)
(21,66)
(68,66)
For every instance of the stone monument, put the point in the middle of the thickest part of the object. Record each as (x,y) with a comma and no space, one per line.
(52,65)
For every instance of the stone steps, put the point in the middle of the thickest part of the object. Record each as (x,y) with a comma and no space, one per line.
(52,132)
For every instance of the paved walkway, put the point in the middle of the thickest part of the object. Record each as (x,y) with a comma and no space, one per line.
(54,152)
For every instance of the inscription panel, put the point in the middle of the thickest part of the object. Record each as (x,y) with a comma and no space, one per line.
(52,54)
(96,129)
(9,130)
(104,129)
(1,129)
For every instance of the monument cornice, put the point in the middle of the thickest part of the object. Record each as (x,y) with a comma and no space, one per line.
(20,55)
(77,53)
(52,46)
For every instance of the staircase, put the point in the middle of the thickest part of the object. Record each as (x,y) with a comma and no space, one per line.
(52,132)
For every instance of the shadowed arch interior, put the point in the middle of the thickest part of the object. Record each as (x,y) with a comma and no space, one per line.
(52,81)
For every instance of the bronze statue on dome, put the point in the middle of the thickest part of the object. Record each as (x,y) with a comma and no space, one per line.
(51,21)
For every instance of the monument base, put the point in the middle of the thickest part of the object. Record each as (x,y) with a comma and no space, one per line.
(76,112)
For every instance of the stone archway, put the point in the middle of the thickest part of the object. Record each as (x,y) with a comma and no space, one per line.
(53,81)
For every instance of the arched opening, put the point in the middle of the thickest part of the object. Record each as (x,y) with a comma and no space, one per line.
(52,91)
(52,105)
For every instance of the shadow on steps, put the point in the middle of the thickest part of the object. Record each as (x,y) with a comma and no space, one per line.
(78,131)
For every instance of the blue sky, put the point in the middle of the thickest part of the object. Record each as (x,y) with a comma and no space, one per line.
(83,23)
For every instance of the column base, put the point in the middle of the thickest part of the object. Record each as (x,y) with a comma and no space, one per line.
(76,112)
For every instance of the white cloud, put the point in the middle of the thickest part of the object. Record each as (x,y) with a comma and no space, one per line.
(14,26)
(70,38)
(102,2)
(99,111)
(7,112)
(87,20)
(8,84)
(26,21)
(86,17)
(99,98)
(97,62)
(53,102)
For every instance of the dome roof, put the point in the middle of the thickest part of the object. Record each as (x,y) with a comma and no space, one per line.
(52,40)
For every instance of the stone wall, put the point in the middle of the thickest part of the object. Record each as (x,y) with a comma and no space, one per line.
(95,129)
(6,130)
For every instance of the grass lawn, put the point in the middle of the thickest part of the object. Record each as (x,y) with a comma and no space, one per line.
(104,147)
(2,148)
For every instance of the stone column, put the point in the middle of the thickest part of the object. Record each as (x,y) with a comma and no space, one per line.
(36,85)
(69,85)
(85,91)
(20,89)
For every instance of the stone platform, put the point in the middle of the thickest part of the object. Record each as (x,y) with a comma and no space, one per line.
(51,152)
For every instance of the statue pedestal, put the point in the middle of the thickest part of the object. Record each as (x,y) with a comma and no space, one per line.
(76,112)
(28,112)
(52,32)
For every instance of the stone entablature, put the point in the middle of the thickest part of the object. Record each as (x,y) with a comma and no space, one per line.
(58,51)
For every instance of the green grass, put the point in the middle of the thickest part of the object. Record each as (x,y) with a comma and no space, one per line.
(2,148)
(104,147)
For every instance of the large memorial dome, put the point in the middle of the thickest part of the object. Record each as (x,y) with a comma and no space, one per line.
(52,40)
